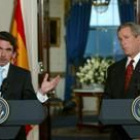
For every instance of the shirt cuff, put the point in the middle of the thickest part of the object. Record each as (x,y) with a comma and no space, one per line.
(42,98)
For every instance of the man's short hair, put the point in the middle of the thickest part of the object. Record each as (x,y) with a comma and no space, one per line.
(10,38)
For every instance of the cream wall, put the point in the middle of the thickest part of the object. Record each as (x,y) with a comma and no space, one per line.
(57,54)
(58,61)
(6,9)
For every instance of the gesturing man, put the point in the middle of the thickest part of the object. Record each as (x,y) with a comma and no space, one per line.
(19,83)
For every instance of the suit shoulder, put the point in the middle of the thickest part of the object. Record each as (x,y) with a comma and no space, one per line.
(19,69)
(118,64)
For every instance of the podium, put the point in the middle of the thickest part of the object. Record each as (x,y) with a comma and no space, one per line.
(22,112)
(118,112)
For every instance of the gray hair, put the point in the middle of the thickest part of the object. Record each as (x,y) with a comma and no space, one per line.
(135,28)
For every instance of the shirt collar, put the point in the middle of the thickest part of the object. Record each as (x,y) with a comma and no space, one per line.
(136,59)
(6,69)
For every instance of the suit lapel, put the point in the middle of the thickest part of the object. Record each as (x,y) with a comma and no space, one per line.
(117,76)
(121,77)
(10,77)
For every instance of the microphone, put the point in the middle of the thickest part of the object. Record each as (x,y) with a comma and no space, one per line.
(4,86)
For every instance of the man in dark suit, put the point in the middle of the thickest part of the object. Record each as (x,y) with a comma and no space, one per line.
(129,37)
(17,83)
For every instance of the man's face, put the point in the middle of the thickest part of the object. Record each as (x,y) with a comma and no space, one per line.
(6,52)
(129,43)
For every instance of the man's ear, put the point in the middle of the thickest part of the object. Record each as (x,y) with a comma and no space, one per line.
(14,58)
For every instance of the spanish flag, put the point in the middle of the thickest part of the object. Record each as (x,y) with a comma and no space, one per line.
(17,29)
(21,60)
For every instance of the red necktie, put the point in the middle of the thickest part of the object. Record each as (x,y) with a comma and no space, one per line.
(128,74)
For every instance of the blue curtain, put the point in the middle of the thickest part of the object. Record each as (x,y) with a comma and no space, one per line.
(77,26)
(126,9)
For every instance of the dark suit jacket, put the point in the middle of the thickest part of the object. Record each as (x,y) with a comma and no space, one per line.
(18,86)
(114,89)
